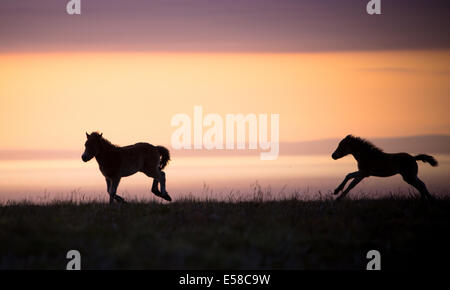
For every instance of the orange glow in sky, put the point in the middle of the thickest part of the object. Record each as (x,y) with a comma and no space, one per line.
(48,100)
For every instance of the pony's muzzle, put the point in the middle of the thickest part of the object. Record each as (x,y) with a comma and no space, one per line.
(84,158)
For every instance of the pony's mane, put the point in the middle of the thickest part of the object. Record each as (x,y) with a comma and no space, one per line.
(103,140)
(364,144)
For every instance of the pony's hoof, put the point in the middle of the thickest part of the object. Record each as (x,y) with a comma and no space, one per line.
(336,191)
(166,196)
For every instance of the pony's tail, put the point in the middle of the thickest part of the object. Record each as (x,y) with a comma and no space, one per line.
(427,158)
(165,156)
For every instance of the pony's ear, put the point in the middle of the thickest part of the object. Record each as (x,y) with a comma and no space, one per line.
(101,134)
(349,136)
(87,135)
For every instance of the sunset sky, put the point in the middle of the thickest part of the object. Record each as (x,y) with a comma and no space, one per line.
(126,67)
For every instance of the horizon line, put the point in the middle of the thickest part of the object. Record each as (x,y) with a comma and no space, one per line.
(8,154)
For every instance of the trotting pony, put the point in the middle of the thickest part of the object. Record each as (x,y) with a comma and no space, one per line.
(372,161)
(116,162)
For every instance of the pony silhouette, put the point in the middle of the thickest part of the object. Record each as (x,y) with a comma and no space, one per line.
(116,162)
(372,161)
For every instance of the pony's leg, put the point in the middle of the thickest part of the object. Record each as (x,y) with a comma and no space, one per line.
(113,188)
(162,183)
(346,179)
(155,189)
(158,177)
(420,186)
(425,190)
(108,184)
(115,196)
(352,184)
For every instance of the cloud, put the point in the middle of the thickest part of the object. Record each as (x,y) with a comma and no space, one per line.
(404,70)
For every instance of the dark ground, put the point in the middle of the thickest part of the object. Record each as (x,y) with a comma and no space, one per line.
(190,234)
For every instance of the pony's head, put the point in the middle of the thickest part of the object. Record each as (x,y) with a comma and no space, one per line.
(91,146)
(344,148)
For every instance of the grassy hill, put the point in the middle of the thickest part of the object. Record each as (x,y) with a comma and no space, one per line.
(191,234)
